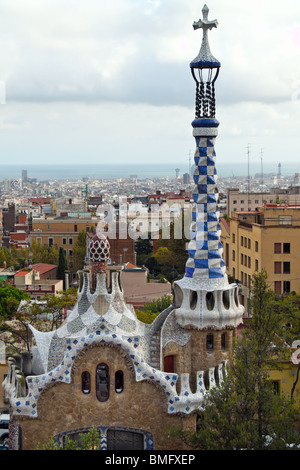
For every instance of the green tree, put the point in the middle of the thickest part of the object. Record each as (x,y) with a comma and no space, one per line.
(244,412)
(55,307)
(5,256)
(153,266)
(79,252)
(171,254)
(143,246)
(43,254)
(15,332)
(152,309)
(10,298)
(45,315)
(176,243)
(62,266)
(86,441)
(167,262)
(14,257)
(164,256)
(144,250)
(288,307)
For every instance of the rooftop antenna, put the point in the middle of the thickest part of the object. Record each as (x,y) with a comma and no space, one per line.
(279,171)
(261,165)
(248,153)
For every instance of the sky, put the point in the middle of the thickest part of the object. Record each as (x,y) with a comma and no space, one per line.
(97,82)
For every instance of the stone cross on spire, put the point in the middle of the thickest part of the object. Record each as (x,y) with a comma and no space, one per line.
(205,24)
(205,57)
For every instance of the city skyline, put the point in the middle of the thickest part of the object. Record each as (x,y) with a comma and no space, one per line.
(100,83)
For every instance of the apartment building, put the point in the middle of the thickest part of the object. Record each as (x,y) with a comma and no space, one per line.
(60,231)
(243,201)
(63,232)
(170,198)
(67,204)
(264,239)
(8,223)
(29,281)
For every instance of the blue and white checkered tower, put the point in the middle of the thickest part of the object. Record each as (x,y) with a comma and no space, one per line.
(204,297)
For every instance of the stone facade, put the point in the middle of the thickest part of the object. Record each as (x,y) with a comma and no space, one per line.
(141,406)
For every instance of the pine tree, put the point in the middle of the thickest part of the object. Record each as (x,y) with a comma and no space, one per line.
(62,266)
(79,252)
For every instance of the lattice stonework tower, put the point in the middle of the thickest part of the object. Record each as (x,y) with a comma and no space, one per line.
(99,254)
(204,297)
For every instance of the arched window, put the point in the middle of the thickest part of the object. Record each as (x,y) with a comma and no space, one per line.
(209,342)
(226,299)
(193,299)
(85,382)
(102,382)
(210,300)
(119,381)
(223,341)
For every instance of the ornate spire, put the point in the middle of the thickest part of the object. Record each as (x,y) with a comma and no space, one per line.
(203,297)
(207,67)
(205,57)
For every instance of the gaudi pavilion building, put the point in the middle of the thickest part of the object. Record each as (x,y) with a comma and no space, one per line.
(105,368)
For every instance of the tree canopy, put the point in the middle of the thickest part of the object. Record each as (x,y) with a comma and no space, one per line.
(170,256)
(79,252)
(243,412)
(153,309)
(10,298)
(89,440)
(62,266)
(46,315)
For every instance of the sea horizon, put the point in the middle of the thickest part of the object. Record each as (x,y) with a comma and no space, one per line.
(44,172)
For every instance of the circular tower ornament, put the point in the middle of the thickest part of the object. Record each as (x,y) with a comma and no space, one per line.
(99,249)
(99,256)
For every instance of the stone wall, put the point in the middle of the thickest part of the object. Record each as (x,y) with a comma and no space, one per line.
(141,405)
(194,356)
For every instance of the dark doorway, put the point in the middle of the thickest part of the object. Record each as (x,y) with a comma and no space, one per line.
(124,440)
(169,364)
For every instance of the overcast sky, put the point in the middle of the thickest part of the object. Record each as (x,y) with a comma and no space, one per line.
(94,81)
